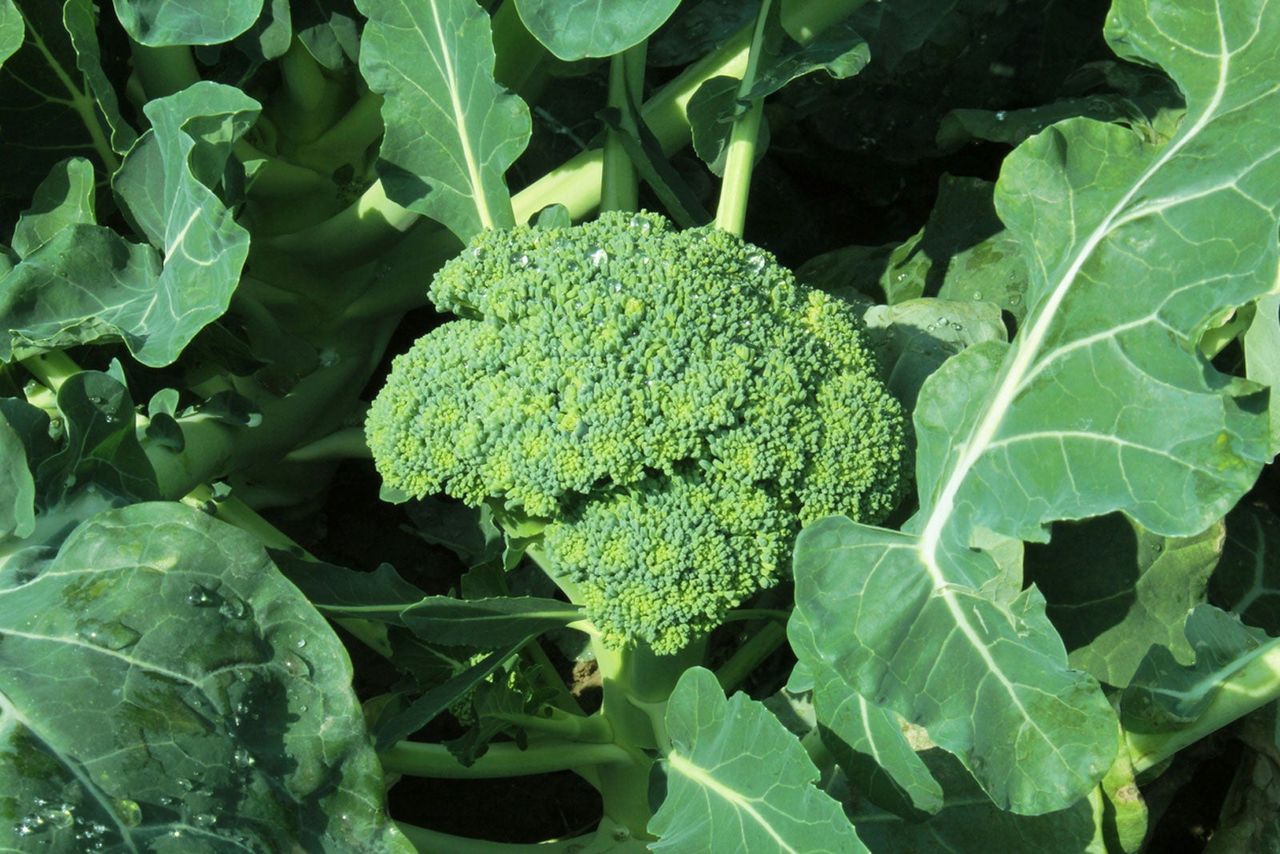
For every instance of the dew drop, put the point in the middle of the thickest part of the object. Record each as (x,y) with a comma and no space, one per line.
(1014,299)
(204,819)
(597,257)
(243,758)
(112,636)
(302,642)
(642,224)
(1000,115)
(977,295)
(234,609)
(756,263)
(520,259)
(129,812)
(328,357)
(201,597)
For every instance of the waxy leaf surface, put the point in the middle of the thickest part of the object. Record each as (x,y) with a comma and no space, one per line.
(1101,403)
(717,798)
(162,687)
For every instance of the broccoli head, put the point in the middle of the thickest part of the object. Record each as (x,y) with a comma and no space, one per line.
(672,404)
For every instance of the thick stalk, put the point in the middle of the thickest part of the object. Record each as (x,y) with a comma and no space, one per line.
(418,759)
(1254,683)
(619,188)
(164,70)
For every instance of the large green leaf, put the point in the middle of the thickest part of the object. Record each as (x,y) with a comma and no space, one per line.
(717,799)
(85,282)
(162,687)
(577,29)
(1101,403)
(451,130)
(157,23)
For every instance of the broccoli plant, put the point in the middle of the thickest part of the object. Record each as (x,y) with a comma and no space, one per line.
(569,425)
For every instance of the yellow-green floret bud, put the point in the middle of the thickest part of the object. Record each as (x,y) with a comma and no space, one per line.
(673,403)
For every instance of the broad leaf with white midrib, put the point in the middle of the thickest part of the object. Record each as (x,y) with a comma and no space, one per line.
(451,130)
(717,798)
(1101,404)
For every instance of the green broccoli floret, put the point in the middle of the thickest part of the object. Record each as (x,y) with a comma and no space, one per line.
(672,404)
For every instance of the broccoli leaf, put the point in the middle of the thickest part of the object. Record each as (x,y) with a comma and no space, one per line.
(55,98)
(717,799)
(162,685)
(577,29)
(11,29)
(451,130)
(970,822)
(869,744)
(1168,705)
(1114,589)
(1262,355)
(17,486)
(1101,403)
(1247,580)
(158,23)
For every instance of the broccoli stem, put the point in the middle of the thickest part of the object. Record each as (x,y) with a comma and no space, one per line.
(731,213)
(1254,683)
(163,70)
(503,759)
(620,189)
(748,656)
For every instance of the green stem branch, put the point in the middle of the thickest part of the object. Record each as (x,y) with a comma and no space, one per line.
(748,656)
(620,189)
(731,213)
(1254,683)
(418,759)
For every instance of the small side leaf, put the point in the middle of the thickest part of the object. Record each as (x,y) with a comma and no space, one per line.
(577,29)
(717,798)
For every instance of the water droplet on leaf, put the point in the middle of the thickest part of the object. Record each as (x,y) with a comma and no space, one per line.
(129,812)
(112,636)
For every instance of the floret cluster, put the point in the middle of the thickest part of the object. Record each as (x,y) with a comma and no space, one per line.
(673,403)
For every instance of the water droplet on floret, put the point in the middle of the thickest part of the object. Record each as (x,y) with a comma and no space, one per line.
(597,256)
